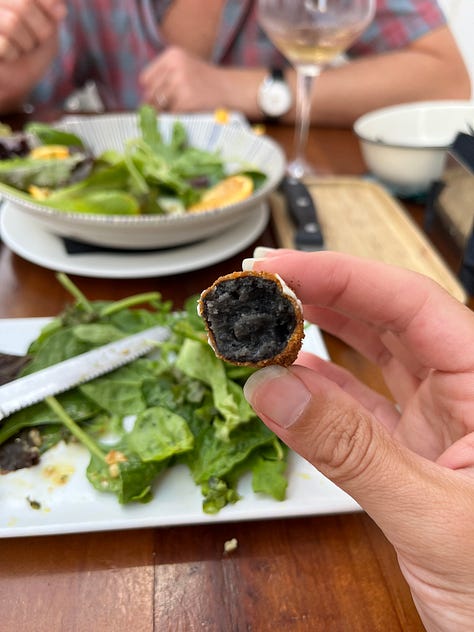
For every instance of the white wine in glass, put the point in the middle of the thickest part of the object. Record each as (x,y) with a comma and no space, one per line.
(311,34)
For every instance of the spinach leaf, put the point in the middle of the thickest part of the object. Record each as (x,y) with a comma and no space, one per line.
(217,494)
(159,434)
(269,478)
(213,457)
(199,361)
(49,135)
(60,345)
(120,392)
(130,481)
(76,406)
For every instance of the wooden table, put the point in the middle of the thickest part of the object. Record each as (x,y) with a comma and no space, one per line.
(322,573)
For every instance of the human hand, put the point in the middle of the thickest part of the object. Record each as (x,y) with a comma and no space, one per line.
(177,81)
(410,467)
(27,24)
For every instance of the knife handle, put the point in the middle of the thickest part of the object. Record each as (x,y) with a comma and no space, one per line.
(303,212)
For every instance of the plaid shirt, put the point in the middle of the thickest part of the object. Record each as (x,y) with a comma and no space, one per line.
(111,41)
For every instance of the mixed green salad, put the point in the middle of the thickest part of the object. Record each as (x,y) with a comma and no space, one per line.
(186,406)
(55,168)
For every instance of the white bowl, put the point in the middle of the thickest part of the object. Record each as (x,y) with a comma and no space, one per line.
(405,146)
(237,145)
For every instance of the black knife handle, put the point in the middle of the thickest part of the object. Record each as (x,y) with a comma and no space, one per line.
(303,211)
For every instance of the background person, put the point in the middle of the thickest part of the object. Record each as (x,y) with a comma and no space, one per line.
(165,53)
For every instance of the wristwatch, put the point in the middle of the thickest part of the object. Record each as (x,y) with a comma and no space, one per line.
(274,95)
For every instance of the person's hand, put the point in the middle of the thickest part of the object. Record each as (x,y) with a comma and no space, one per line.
(177,81)
(28,42)
(27,24)
(411,465)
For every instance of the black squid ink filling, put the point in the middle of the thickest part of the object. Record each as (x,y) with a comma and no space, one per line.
(250,318)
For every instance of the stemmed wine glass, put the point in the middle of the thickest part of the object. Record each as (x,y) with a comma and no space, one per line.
(311,33)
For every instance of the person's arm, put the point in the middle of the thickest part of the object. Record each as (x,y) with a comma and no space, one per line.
(17,78)
(429,68)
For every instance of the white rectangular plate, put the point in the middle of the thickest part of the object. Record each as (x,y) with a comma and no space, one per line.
(67,503)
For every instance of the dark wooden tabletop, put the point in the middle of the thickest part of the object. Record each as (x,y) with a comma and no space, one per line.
(320,573)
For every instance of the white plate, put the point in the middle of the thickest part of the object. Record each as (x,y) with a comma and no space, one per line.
(31,240)
(75,506)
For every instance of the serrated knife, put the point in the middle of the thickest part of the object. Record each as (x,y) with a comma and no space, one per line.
(60,377)
(301,207)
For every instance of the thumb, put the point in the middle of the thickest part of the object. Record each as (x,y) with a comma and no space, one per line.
(346,443)
(321,422)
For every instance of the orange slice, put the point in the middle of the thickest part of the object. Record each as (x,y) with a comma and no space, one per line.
(229,191)
(46,152)
(221,115)
(38,193)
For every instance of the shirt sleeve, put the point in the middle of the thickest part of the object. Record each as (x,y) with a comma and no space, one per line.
(398,23)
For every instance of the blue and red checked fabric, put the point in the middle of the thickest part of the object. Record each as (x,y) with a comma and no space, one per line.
(111,41)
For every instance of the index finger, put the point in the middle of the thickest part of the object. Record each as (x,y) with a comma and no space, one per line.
(428,320)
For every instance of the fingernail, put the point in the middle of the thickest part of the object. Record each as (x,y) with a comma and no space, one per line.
(278,394)
(261,252)
(247,264)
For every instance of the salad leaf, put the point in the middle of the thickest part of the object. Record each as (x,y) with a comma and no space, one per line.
(199,361)
(120,392)
(217,494)
(22,173)
(76,406)
(269,478)
(49,135)
(214,457)
(132,482)
(159,434)
(98,203)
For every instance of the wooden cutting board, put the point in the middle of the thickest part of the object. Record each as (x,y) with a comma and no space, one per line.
(361,218)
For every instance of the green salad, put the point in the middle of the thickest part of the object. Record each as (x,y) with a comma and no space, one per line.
(186,407)
(55,168)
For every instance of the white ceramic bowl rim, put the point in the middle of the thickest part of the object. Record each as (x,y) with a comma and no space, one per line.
(407,107)
(382,143)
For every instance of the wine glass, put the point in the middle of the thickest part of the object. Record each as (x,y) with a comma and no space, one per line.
(311,33)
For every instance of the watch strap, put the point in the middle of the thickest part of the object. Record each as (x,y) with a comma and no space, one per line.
(277,73)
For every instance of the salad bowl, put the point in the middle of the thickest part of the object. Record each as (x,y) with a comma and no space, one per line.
(233,142)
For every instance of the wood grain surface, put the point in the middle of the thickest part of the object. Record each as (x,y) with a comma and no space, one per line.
(361,218)
(321,573)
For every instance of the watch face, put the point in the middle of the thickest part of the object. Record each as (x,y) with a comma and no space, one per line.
(274,97)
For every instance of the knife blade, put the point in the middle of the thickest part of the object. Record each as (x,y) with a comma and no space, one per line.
(301,207)
(79,369)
